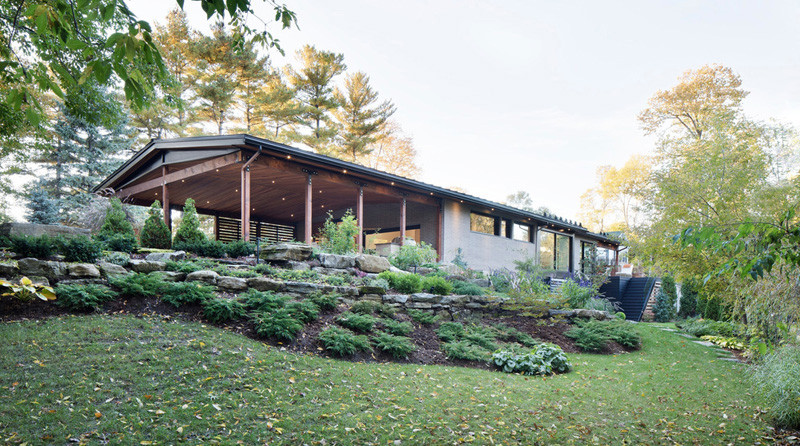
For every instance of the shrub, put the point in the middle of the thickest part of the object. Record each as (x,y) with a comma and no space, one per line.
(593,335)
(357,322)
(411,256)
(336,280)
(220,310)
(466,351)
(139,284)
(664,311)
(601,304)
(185,293)
(277,324)
(364,307)
(587,339)
(189,229)
(25,290)
(778,378)
(436,285)
(339,238)
(325,301)
(576,295)
(378,282)
(722,341)
(115,221)
(481,337)
(546,359)
(239,248)
(203,248)
(117,258)
(406,283)
(183,266)
(262,301)
(467,288)
(451,331)
(118,242)
(343,342)
(305,311)
(155,233)
(505,333)
(40,247)
(422,317)
(705,327)
(396,327)
(688,299)
(83,297)
(397,346)
(81,249)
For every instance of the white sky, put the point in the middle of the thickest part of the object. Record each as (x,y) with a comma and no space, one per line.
(535,95)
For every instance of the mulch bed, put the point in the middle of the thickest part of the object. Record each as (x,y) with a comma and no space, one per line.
(424,336)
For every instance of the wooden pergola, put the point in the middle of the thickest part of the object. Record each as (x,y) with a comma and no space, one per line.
(239,176)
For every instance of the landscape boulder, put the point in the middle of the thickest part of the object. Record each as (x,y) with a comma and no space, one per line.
(423,297)
(231,284)
(37,230)
(369,289)
(396,298)
(8,269)
(46,268)
(206,276)
(283,252)
(147,266)
(337,261)
(264,284)
(593,314)
(172,276)
(83,271)
(175,256)
(372,264)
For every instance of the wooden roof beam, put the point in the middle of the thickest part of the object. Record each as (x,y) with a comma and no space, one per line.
(197,169)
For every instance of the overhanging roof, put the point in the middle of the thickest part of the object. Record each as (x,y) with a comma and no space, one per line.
(172,151)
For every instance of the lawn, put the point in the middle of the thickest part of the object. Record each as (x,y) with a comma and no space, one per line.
(131,380)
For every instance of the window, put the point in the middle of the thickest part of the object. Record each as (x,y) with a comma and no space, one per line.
(482,223)
(521,232)
(554,251)
(605,256)
(588,252)
(373,238)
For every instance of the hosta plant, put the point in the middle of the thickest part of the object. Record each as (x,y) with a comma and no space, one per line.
(25,290)
(546,359)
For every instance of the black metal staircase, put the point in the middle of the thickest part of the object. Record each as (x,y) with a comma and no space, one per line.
(631,294)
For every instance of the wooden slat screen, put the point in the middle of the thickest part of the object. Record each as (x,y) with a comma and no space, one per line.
(230,229)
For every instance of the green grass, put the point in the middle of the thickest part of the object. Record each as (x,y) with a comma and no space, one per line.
(126,380)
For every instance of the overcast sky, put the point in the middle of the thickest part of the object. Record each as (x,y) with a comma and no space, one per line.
(535,95)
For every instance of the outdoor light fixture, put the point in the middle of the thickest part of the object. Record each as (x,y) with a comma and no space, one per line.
(273,181)
(288,156)
(217,170)
(208,202)
(292,215)
(284,198)
(183,181)
(237,190)
(156,193)
(392,183)
(344,171)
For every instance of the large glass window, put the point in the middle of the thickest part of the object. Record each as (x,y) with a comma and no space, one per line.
(605,256)
(521,232)
(554,251)
(482,223)
(373,239)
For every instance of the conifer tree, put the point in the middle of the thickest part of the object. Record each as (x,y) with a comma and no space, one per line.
(116,222)
(189,229)
(42,208)
(277,108)
(214,76)
(155,233)
(361,118)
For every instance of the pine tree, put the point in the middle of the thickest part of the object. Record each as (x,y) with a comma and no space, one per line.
(42,208)
(189,229)
(116,222)
(155,233)
(313,81)
(177,43)
(361,118)
(688,298)
(214,76)
(664,311)
(277,108)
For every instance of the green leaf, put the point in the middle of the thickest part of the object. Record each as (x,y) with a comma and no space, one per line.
(102,71)
(75,44)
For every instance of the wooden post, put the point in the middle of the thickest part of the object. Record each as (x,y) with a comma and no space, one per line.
(245,203)
(403,222)
(439,232)
(360,216)
(216,226)
(309,206)
(165,197)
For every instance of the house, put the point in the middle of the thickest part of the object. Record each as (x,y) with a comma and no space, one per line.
(285,193)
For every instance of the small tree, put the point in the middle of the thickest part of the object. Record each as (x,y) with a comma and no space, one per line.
(669,288)
(664,311)
(411,256)
(339,238)
(688,299)
(189,229)
(116,222)
(42,208)
(155,233)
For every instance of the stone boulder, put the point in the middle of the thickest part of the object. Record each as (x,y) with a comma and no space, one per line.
(397,270)
(372,264)
(308,288)
(455,299)
(172,276)
(348,291)
(283,252)
(369,289)
(206,276)
(331,271)
(337,261)
(36,230)
(231,284)
(45,268)
(593,314)
(83,271)
(396,298)
(112,270)
(265,284)
(147,266)
(423,297)
(8,269)
(164,256)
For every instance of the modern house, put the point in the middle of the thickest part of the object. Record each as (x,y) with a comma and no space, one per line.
(284,193)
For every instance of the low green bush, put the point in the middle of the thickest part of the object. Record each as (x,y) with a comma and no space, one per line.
(437,285)
(118,242)
(397,346)
(546,359)
(451,331)
(593,335)
(139,285)
(186,293)
(357,322)
(305,311)
(220,310)
(587,340)
(467,288)
(83,297)
(184,266)
(576,295)
(364,307)
(778,379)
(708,327)
(239,248)
(325,301)
(40,247)
(241,273)
(405,282)
(262,301)
(411,256)
(422,317)
(81,249)
(482,338)
(511,334)
(339,237)
(336,280)
(397,328)
(204,248)
(343,342)
(278,324)
(466,351)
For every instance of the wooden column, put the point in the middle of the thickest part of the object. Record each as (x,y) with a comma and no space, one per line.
(165,197)
(360,216)
(309,207)
(245,203)
(439,232)
(403,222)
(216,226)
